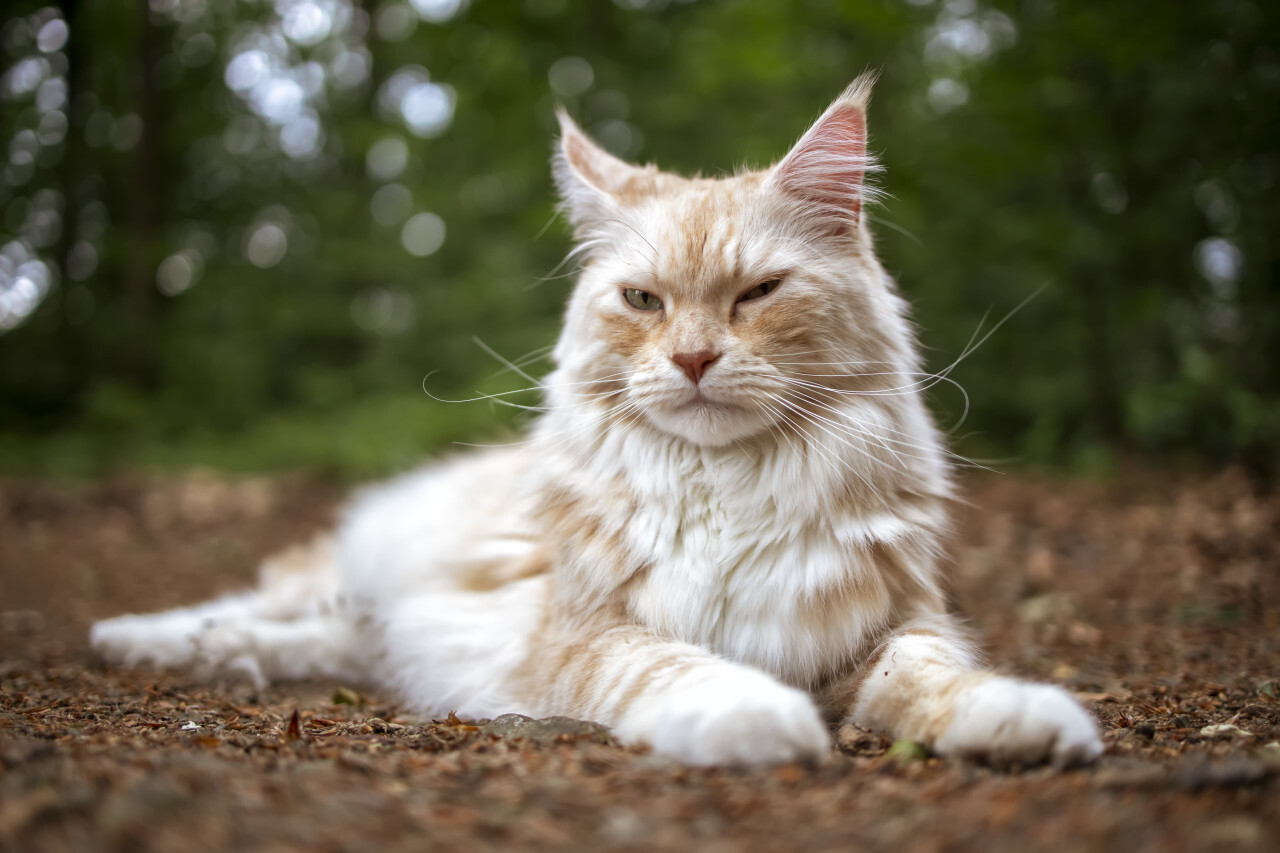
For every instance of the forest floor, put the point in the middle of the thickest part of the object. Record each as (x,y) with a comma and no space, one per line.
(1156,600)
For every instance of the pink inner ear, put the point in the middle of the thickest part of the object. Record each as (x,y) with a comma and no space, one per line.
(579,155)
(598,167)
(828,165)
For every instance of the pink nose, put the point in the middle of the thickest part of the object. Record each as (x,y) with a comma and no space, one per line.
(694,364)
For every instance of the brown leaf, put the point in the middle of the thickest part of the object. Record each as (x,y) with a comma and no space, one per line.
(453,720)
(294,732)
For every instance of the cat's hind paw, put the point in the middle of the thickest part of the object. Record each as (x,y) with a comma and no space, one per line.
(1005,721)
(177,640)
(130,640)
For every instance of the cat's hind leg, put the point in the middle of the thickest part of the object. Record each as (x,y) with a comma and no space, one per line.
(294,625)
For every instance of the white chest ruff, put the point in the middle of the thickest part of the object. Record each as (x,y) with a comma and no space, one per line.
(793,597)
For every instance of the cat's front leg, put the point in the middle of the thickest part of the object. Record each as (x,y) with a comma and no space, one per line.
(680,699)
(923,687)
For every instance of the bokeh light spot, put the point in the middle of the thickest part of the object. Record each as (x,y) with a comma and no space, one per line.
(23,147)
(302,137)
(1221,262)
(267,245)
(82,260)
(179,272)
(391,204)
(395,22)
(52,36)
(423,234)
(247,70)
(306,23)
(387,158)
(437,11)
(51,95)
(570,76)
(127,132)
(945,94)
(427,108)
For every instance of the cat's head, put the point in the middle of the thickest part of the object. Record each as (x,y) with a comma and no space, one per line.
(718,309)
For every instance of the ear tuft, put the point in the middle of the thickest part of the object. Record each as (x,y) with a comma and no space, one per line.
(588,177)
(827,168)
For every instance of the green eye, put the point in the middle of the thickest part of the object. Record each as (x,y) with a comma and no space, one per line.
(641,300)
(762,289)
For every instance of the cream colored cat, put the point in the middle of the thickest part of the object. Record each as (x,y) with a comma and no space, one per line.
(721,536)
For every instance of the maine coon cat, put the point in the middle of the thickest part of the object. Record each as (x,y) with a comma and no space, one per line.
(723,531)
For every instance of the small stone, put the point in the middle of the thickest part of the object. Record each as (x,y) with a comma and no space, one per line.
(1225,730)
(548,730)
(1048,608)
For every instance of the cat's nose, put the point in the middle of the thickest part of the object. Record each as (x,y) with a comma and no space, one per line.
(694,364)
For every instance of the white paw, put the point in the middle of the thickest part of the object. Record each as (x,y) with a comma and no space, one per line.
(741,718)
(224,647)
(132,640)
(1012,722)
(177,640)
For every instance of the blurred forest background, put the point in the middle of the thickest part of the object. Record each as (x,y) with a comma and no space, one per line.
(240,233)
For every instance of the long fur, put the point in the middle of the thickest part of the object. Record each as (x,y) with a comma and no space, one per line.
(709,562)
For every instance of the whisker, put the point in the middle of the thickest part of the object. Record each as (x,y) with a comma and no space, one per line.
(823,452)
(580,249)
(908,441)
(653,259)
(530,357)
(854,428)
(880,220)
(929,381)
(514,368)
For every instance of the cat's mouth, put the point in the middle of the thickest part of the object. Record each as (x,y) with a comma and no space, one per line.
(700,401)
(706,417)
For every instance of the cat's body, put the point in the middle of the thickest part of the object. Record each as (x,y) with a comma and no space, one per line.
(724,526)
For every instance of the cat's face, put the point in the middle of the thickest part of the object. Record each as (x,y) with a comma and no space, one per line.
(715,310)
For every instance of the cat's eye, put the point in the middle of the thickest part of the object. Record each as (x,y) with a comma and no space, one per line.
(764,288)
(641,300)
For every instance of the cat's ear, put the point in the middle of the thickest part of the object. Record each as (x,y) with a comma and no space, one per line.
(591,180)
(827,168)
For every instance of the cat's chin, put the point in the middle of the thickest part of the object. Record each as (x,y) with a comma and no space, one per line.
(709,424)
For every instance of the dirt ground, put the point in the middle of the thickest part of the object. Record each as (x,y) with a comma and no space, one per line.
(1155,600)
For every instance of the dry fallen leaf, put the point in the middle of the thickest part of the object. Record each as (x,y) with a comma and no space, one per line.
(294,731)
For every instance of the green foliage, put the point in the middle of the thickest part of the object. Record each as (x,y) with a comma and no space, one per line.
(903,751)
(1118,164)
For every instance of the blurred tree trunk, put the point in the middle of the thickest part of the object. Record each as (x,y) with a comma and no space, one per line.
(1098,353)
(73,173)
(142,192)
